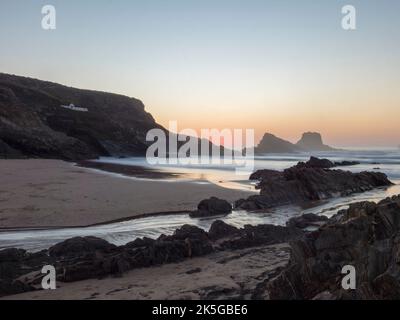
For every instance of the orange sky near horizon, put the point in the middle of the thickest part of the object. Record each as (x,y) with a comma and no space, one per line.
(269,65)
(348,121)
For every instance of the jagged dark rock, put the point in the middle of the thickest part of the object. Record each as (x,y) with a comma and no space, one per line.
(302,183)
(80,245)
(261,174)
(366,236)
(220,229)
(140,242)
(33,122)
(306,220)
(345,163)
(265,234)
(90,257)
(315,162)
(14,263)
(212,207)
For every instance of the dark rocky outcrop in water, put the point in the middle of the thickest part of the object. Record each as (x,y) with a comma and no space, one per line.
(90,257)
(15,263)
(212,207)
(346,163)
(33,122)
(366,236)
(315,162)
(302,183)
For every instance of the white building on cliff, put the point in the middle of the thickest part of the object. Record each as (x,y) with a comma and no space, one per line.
(72,107)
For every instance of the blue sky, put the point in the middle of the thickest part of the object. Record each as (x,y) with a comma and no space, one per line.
(280,66)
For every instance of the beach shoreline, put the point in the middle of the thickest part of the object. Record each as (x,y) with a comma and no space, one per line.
(38,193)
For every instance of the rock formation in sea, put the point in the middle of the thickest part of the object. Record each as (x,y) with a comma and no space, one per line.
(310,141)
(272,144)
(37,120)
(305,182)
(315,162)
(366,236)
(212,207)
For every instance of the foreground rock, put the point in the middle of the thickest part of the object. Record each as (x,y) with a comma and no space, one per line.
(252,236)
(303,183)
(212,207)
(366,236)
(315,162)
(15,263)
(220,229)
(306,221)
(83,258)
(220,275)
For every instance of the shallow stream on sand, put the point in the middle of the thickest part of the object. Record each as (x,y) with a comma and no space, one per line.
(121,233)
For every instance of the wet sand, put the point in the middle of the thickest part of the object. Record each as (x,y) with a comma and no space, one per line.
(128,170)
(53,193)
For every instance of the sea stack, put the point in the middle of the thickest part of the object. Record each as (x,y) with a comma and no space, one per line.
(312,141)
(272,144)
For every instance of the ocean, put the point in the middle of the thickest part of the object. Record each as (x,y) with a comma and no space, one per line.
(382,160)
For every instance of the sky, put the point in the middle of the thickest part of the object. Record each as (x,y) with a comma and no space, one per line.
(279,66)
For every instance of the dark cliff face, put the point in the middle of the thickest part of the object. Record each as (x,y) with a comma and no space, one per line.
(33,122)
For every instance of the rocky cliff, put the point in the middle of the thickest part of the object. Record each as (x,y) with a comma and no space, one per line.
(366,236)
(48,120)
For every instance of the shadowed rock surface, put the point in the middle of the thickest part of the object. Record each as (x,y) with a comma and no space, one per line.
(220,229)
(90,257)
(307,220)
(212,207)
(315,162)
(366,236)
(302,183)
(33,122)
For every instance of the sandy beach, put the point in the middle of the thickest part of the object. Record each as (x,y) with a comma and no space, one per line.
(53,193)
